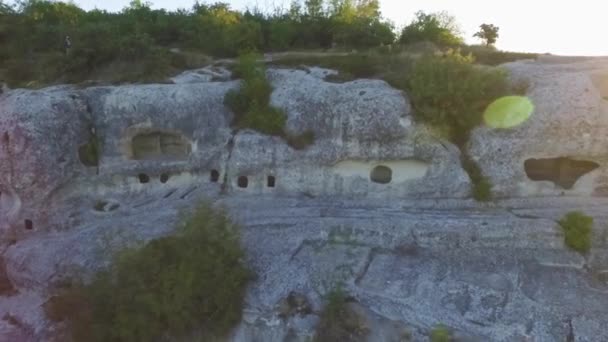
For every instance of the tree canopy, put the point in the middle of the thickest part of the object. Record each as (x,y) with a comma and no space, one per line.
(32,33)
(439,28)
(488,33)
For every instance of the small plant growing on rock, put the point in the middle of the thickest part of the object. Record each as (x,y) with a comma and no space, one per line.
(482,188)
(440,334)
(577,229)
(339,322)
(169,288)
(251,102)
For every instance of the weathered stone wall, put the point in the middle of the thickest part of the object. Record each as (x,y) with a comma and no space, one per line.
(376,203)
(570,120)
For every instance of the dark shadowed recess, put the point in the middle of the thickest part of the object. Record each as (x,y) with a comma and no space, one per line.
(563,172)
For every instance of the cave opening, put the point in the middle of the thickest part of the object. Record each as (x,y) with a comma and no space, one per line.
(271,181)
(381,174)
(29,225)
(214,176)
(143,178)
(563,172)
(243,182)
(160,145)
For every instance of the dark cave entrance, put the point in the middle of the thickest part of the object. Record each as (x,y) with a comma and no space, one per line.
(563,172)
(243,182)
(381,174)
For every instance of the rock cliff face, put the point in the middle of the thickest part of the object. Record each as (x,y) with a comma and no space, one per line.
(377,202)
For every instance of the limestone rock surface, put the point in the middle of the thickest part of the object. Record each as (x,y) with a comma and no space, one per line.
(376,203)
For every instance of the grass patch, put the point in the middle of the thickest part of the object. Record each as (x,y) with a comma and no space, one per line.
(577,228)
(489,55)
(168,288)
(339,322)
(440,334)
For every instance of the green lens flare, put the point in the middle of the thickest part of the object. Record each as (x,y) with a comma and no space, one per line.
(508,111)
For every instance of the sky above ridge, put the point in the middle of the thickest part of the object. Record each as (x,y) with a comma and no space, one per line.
(560,27)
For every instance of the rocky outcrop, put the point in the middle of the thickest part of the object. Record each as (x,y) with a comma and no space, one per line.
(376,203)
(569,122)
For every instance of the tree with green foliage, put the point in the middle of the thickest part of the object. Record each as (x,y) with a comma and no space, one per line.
(577,228)
(358,24)
(314,8)
(169,288)
(134,44)
(488,33)
(438,28)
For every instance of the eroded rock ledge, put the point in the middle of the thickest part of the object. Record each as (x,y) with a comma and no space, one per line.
(377,201)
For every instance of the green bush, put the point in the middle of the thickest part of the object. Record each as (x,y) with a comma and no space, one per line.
(440,334)
(577,228)
(452,91)
(438,28)
(482,188)
(268,120)
(169,288)
(251,102)
(338,322)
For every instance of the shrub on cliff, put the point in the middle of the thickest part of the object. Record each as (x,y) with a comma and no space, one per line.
(440,334)
(451,91)
(170,287)
(577,229)
(338,322)
(251,102)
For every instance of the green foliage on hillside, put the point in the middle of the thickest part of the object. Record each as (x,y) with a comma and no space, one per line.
(133,45)
(452,93)
(141,44)
(450,90)
(489,55)
(577,228)
(438,28)
(171,287)
(251,102)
